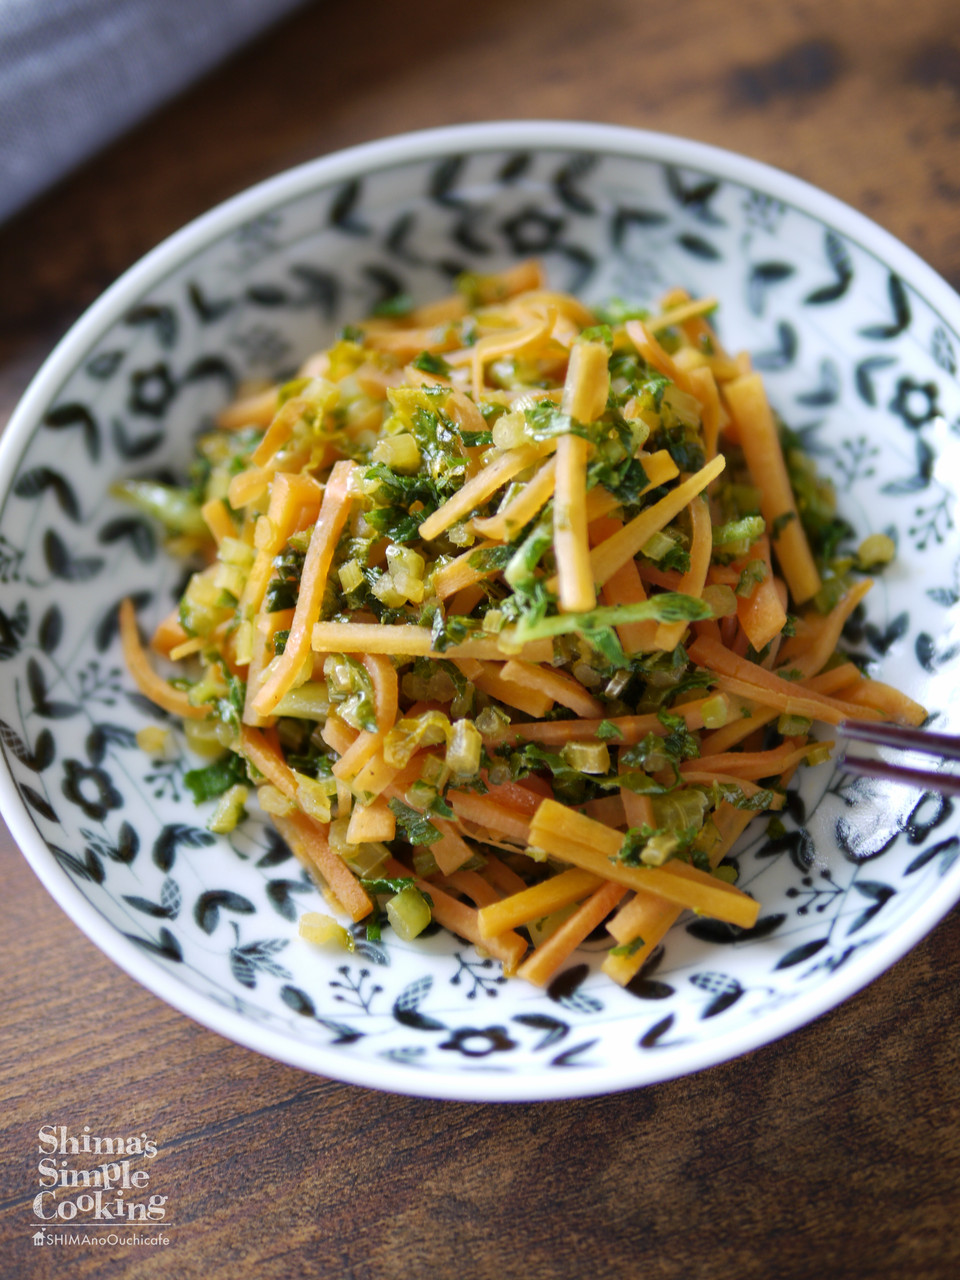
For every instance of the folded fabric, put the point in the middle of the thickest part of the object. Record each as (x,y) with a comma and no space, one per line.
(75,74)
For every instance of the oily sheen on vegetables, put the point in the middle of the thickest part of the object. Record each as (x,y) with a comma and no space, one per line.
(512,614)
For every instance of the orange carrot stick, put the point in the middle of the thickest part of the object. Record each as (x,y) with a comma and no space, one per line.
(539,967)
(747,401)
(334,511)
(146,679)
(462,920)
(761,613)
(308,840)
(669,634)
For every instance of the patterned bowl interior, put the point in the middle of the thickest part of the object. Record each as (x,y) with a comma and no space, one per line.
(858,359)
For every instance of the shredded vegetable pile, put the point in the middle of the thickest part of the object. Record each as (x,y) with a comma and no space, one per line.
(512,615)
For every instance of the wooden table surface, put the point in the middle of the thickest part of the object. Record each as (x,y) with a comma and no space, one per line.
(832,1153)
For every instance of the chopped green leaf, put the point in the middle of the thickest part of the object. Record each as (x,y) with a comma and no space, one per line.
(214,779)
(415,827)
(387,884)
(427,362)
(627,948)
(400,304)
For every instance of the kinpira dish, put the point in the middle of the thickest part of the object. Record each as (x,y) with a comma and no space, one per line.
(512,613)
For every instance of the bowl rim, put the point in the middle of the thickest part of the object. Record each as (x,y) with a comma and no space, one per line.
(195,236)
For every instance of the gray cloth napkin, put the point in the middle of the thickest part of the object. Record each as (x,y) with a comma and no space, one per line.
(75,74)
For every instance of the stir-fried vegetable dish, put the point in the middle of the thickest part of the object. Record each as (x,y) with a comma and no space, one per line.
(511,613)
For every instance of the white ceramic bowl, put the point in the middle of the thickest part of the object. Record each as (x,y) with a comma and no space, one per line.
(859,341)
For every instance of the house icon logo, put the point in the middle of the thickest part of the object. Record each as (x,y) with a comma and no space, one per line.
(38,1237)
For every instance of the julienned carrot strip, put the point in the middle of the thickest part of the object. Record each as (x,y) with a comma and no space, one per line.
(587,383)
(332,517)
(168,635)
(585,393)
(462,920)
(376,382)
(534,495)
(643,922)
(252,411)
(370,823)
(502,877)
(669,634)
(261,747)
(575,580)
(755,764)
(489,678)
(494,345)
(668,579)
(485,483)
(801,701)
(746,785)
(473,886)
(189,647)
(623,546)
(593,847)
(658,467)
(451,851)
(146,679)
(556,685)
(704,386)
(761,613)
(841,677)
(877,696)
(625,586)
(376,775)
(464,571)
(364,746)
(678,311)
(607,809)
(465,600)
(525,276)
(407,343)
(218,520)
(265,627)
(648,919)
(541,299)
(739,726)
(383,675)
(412,641)
(523,796)
(247,486)
(822,634)
(537,901)
(490,814)
(539,967)
(289,496)
(747,401)
(654,354)
(279,431)
(632,729)
(337,734)
(735,730)
(749,680)
(308,840)
(637,808)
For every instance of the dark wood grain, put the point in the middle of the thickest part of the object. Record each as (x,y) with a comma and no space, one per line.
(835,1152)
